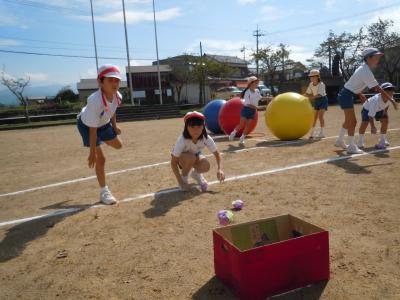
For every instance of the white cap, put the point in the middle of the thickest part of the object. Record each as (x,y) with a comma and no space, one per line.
(371,52)
(109,70)
(251,79)
(313,72)
(387,85)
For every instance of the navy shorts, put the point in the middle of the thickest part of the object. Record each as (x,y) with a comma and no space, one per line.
(346,98)
(248,112)
(378,116)
(104,133)
(321,103)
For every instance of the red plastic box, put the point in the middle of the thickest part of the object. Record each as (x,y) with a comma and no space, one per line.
(270,256)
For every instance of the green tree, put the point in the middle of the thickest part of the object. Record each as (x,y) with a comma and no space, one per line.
(66,94)
(380,36)
(17,87)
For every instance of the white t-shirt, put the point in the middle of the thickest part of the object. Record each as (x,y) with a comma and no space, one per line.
(375,104)
(252,97)
(187,145)
(94,114)
(315,90)
(361,79)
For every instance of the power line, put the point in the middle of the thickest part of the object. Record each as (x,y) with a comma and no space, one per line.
(50,7)
(66,55)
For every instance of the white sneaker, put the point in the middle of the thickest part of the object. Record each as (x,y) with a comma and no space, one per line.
(353,149)
(241,140)
(360,145)
(107,198)
(199,178)
(341,143)
(321,135)
(232,135)
(387,143)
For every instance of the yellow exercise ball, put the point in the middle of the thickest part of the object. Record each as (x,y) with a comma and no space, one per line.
(289,116)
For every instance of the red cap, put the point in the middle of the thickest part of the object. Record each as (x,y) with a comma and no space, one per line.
(193,114)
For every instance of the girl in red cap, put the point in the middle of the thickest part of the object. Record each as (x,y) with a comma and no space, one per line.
(187,153)
(97,124)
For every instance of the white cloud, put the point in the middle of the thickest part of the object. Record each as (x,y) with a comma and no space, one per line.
(141,62)
(299,53)
(220,47)
(136,16)
(271,13)
(246,1)
(37,77)
(330,3)
(8,42)
(392,14)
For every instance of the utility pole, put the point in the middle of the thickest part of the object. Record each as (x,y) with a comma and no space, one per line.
(158,61)
(257,33)
(130,83)
(94,38)
(243,49)
(202,81)
(330,57)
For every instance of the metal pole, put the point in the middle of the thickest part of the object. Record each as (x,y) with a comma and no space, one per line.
(158,61)
(127,56)
(94,37)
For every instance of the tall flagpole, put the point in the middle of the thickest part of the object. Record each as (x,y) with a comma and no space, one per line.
(127,55)
(158,61)
(94,37)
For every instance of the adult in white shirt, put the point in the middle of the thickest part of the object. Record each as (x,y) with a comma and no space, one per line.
(187,153)
(361,79)
(376,107)
(97,124)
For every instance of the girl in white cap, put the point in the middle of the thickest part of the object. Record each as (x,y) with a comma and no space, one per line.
(376,107)
(97,124)
(187,153)
(317,94)
(353,88)
(251,96)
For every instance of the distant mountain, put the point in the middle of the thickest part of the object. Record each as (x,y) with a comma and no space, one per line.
(6,97)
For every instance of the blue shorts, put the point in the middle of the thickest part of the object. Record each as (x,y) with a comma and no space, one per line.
(378,116)
(248,112)
(104,133)
(346,98)
(321,103)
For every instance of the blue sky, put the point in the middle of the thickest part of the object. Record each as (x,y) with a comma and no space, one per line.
(223,26)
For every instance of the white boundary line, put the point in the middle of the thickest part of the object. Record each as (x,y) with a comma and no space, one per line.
(233,178)
(158,164)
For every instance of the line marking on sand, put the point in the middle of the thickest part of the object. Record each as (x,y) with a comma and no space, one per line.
(61,183)
(233,178)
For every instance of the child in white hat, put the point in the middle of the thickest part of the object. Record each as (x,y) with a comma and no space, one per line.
(187,153)
(97,124)
(317,94)
(376,107)
(353,88)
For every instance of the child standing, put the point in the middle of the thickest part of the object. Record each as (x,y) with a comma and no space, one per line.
(361,79)
(251,96)
(187,153)
(317,94)
(376,107)
(97,124)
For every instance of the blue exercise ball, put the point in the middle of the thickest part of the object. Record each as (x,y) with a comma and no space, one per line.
(211,112)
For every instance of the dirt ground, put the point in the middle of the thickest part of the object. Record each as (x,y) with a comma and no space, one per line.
(159,246)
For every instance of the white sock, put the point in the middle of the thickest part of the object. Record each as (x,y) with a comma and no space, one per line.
(351,141)
(312,131)
(383,138)
(342,133)
(361,138)
(321,131)
(234,132)
(185,179)
(103,189)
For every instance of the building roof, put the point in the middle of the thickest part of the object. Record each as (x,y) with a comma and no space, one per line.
(91,84)
(148,69)
(227,59)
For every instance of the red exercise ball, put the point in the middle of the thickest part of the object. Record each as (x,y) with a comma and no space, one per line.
(229,116)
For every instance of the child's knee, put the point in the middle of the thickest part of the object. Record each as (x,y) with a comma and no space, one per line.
(100,159)
(187,160)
